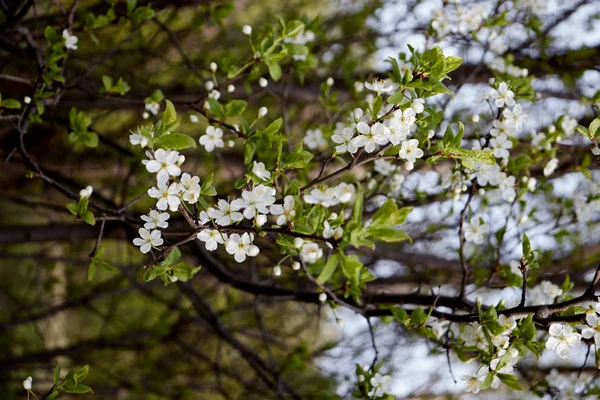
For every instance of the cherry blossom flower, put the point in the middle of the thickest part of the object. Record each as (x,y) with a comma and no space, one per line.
(502,96)
(380,86)
(344,192)
(314,139)
(384,167)
(410,150)
(310,252)
(501,144)
(418,105)
(285,212)
(561,339)
(148,239)
(475,230)
(329,232)
(226,213)
(153,107)
(593,328)
(70,40)
(154,220)
(515,117)
(212,139)
(371,136)
(568,125)
(28,383)
(260,171)
(551,167)
(344,139)
(168,196)
(381,385)
(326,198)
(164,164)
(258,200)
(241,246)
(137,138)
(211,238)
(472,383)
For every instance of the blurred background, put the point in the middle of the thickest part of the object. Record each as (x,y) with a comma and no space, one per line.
(237,331)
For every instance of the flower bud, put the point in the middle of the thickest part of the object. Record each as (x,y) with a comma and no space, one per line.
(277,270)
(295,265)
(298,242)
(209,85)
(27,383)
(247,30)
(230,88)
(262,112)
(329,81)
(323,297)
(262,82)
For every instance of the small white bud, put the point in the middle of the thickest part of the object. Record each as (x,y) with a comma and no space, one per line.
(173,278)
(27,100)
(145,115)
(524,179)
(481,191)
(295,265)
(194,119)
(475,118)
(247,30)
(430,133)
(213,66)
(359,87)
(28,383)
(209,85)
(298,242)
(323,297)
(230,143)
(277,270)
(366,367)
(262,112)
(531,184)
(464,188)
(180,160)
(329,81)
(361,378)
(551,129)
(230,88)
(86,193)
(492,81)
(523,219)
(262,82)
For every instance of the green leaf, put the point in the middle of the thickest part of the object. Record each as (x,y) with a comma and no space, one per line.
(396,98)
(107,81)
(297,159)
(80,389)
(451,63)
(526,244)
(418,317)
(11,103)
(510,381)
(389,235)
(82,373)
(487,382)
(274,69)
(73,209)
(400,314)
(234,108)
(169,119)
(91,270)
(175,141)
(328,270)
(593,129)
(351,267)
(88,218)
(56,375)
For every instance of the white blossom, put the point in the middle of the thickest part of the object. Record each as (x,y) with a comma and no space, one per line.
(314,139)
(502,96)
(153,107)
(418,105)
(164,165)
(70,40)
(167,195)
(381,385)
(380,86)
(285,212)
(148,239)
(86,192)
(551,167)
(410,150)
(28,383)
(561,339)
(247,30)
(211,238)
(371,136)
(212,139)
(344,139)
(155,219)
(310,252)
(241,246)
(260,171)
(226,213)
